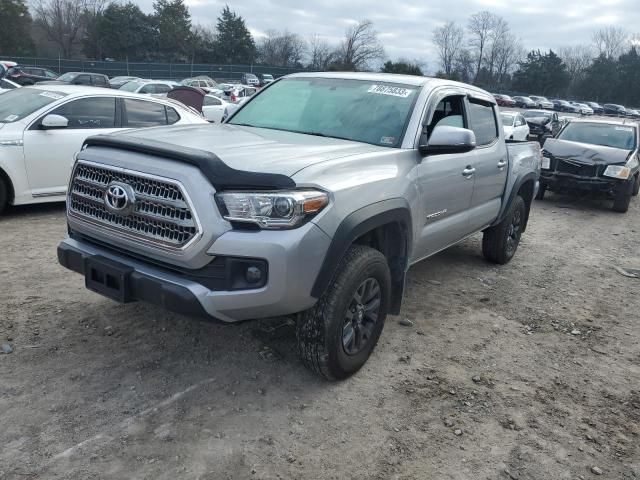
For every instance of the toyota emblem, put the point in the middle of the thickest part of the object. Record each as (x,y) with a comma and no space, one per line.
(119,198)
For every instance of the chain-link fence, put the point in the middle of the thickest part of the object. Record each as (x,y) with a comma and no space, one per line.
(154,70)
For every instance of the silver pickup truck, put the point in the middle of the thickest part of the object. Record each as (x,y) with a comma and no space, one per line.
(313,199)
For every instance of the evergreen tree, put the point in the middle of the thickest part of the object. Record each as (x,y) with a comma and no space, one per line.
(402,67)
(15,28)
(126,32)
(543,74)
(173,23)
(628,74)
(601,81)
(234,42)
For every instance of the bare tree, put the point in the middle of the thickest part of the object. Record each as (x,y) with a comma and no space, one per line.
(577,59)
(63,21)
(499,34)
(463,65)
(448,39)
(360,47)
(480,27)
(321,55)
(508,53)
(610,41)
(282,49)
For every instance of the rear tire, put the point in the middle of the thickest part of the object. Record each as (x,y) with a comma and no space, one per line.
(336,336)
(500,243)
(541,191)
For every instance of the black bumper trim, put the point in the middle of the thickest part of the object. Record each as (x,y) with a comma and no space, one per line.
(144,288)
(575,182)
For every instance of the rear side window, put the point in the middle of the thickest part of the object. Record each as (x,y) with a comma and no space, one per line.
(483,122)
(162,88)
(172,116)
(211,101)
(142,114)
(99,80)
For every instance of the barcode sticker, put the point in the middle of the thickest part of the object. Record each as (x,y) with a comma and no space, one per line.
(389,90)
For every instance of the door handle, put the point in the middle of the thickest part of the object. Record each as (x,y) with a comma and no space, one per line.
(468,172)
(502,164)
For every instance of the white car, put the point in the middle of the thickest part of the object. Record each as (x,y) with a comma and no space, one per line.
(153,87)
(514,125)
(584,108)
(213,108)
(205,83)
(42,127)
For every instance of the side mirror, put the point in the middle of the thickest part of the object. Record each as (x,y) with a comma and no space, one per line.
(445,139)
(53,121)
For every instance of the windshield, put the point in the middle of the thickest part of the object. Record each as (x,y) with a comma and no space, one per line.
(131,86)
(22,102)
(507,120)
(606,135)
(67,77)
(357,110)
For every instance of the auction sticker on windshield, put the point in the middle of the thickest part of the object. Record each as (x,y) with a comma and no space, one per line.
(389,90)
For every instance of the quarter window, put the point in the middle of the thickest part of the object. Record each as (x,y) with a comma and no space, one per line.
(483,122)
(96,112)
(142,114)
(172,116)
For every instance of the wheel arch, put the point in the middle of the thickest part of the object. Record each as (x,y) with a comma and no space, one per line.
(524,186)
(4,176)
(385,226)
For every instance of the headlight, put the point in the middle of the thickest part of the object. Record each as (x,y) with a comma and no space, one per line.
(617,171)
(271,210)
(546,161)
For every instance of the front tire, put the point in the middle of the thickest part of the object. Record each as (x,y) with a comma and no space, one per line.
(336,337)
(499,243)
(4,195)
(621,203)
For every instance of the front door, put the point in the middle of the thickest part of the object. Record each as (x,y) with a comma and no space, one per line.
(49,154)
(445,185)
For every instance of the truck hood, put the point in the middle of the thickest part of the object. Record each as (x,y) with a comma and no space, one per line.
(585,153)
(257,149)
(537,120)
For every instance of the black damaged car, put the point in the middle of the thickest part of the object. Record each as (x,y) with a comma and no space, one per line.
(598,156)
(542,124)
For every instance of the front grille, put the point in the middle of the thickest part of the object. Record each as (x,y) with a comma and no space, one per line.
(160,214)
(573,169)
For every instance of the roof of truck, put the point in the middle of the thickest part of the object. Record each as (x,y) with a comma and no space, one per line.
(414,80)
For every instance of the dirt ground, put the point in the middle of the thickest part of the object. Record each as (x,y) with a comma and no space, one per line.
(527,371)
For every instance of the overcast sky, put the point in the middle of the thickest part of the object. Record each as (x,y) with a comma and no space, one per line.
(405,26)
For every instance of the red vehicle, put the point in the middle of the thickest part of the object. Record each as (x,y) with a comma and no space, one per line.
(504,100)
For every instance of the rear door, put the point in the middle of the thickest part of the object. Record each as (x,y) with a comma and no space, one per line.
(491,163)
(49,154)
(445,184)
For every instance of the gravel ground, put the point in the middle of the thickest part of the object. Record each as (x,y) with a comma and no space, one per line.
(527,371)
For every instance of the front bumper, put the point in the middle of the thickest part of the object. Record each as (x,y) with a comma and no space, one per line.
(294,258)
(566,181)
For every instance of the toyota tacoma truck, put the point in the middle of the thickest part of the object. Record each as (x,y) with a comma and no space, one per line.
(313,200)
(594,156)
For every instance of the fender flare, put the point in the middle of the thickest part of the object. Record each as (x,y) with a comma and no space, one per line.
(513,193)
(358,223)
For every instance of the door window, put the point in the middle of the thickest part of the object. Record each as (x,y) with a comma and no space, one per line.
(449,112)
(50,74)
(99,81)
(151,88)
(141,113)
(162,88)
(96,112)
(211,101)
(483,122)
(82,80)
